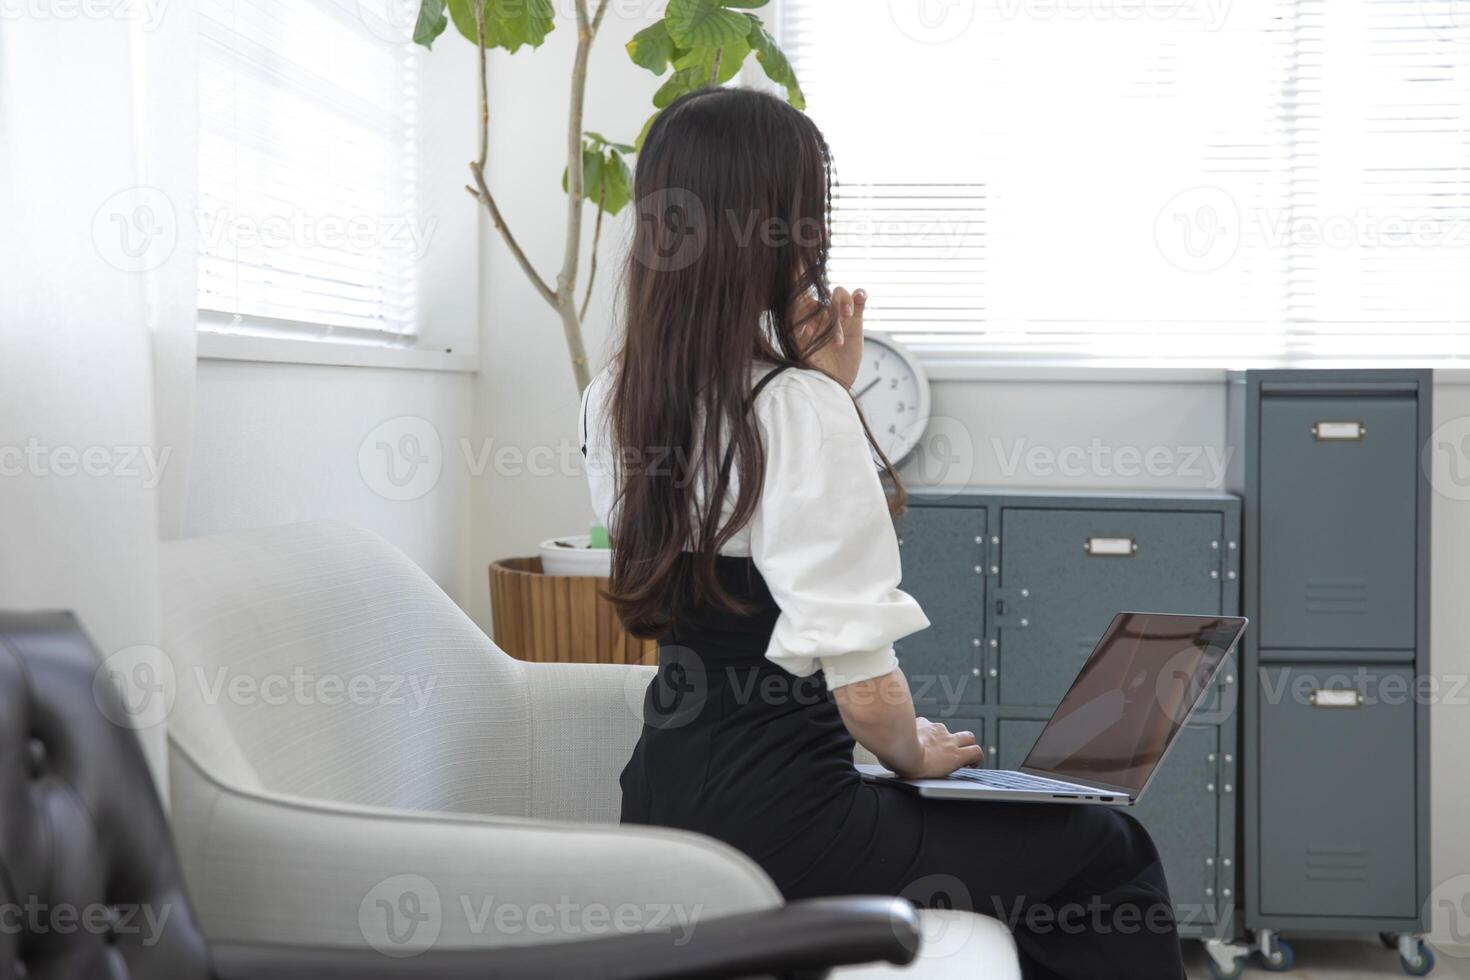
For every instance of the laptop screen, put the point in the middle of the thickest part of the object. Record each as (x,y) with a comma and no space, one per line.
(1132,696)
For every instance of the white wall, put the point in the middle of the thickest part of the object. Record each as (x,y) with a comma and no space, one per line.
(281,443)
(1450,652)
(1126,434)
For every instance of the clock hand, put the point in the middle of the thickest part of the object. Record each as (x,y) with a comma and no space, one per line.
(867,388)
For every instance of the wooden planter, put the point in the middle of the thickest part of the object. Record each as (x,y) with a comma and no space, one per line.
(559,618)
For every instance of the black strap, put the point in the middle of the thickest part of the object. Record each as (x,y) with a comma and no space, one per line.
(729,452)
(586,400)
(755,392)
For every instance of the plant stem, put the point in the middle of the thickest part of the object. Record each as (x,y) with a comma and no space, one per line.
(566,281)
(477,169)
(596,237)
(714,73)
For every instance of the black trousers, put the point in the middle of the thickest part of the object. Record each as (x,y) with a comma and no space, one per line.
(1081,887)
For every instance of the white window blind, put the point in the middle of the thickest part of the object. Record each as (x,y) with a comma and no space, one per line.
(308,223)
(1149,179)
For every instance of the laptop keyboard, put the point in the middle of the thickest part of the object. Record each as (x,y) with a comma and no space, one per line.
(1001,779)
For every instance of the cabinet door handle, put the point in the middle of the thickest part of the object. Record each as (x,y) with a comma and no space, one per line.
(1325,698)
(1110,547)
(1339,431)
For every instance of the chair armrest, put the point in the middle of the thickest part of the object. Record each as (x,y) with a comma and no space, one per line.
(804,938)
(264,867)
(584,719)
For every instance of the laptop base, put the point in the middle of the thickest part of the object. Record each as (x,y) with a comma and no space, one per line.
(989,785)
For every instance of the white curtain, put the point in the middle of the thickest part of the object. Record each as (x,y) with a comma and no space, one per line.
(97,249)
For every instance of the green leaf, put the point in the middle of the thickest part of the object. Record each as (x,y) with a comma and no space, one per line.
(599,140)
(606,179)
(704,23)
(431,23)
(681,82)
(652,48)
(618,190)
(773,62)
(746,4)
(509,24)
(731,56)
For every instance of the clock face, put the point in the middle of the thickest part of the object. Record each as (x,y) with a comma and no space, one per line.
(894,393)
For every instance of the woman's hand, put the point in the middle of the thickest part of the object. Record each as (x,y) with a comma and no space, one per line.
(880,715)
(944,751)
(842,355)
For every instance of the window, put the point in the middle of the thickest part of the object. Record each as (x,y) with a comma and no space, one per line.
(1179,180)
(308,225)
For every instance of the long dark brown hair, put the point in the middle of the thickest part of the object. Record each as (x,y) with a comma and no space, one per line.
(733,192)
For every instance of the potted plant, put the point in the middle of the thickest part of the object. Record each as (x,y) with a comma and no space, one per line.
(697,43)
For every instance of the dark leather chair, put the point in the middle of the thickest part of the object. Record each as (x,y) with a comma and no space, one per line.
(90,887)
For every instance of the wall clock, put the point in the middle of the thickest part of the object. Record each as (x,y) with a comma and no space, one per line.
(893,391)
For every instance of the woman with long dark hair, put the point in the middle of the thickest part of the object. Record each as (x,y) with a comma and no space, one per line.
(752,515)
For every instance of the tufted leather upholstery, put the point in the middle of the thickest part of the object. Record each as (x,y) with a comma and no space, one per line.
(89,884)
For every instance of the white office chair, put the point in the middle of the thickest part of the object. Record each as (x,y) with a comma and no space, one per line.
(346,743)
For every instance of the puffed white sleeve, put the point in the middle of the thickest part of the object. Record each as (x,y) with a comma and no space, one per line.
(822,537)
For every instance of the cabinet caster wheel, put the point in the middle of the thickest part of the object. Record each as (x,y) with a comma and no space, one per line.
(1281,958)
(1237,967)
(1420,963)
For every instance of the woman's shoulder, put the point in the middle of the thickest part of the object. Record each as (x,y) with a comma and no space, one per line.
(805,393)
(795,382)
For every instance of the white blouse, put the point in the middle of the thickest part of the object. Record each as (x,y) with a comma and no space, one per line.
(821,535)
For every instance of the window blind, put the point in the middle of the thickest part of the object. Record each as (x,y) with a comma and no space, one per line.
(1146,179)
(308,223)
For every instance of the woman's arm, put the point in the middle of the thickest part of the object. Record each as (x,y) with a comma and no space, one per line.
(880,715)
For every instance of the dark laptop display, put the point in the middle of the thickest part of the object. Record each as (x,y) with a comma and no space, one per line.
(1131,697)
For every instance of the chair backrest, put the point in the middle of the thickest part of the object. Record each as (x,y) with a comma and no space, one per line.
(319,661)
(89,881)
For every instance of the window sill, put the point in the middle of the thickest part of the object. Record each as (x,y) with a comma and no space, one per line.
(1072,372)
(273,350)
(950,368)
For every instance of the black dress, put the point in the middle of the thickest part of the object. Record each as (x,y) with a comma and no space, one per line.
(736,747)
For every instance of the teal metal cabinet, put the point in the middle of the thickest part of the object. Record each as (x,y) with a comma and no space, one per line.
(1336,737)
(1019,588)
(943,554)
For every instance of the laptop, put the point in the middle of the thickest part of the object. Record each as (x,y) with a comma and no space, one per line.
(1116,723)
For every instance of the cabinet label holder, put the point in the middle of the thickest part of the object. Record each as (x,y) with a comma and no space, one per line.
(1099,547)
(1339,431)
